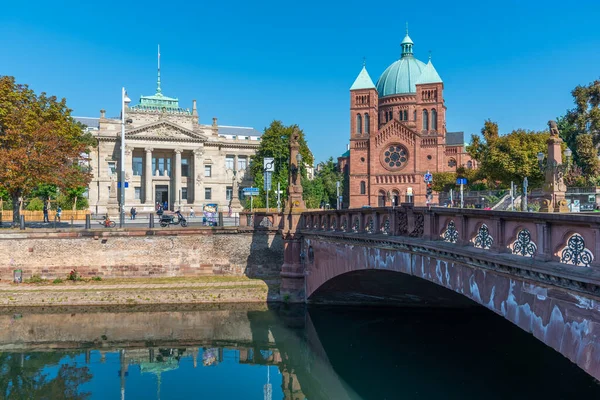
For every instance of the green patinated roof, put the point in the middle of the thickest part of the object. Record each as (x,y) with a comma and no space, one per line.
(407,40)
(429,75)
(346,154)
(363,81)
(400,77)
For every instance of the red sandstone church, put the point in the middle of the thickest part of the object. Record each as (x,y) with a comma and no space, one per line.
(398,133)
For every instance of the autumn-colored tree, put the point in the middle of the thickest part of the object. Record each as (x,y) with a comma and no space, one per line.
(275,143)
(40,143)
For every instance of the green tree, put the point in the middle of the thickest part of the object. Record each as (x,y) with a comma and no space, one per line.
(443,181)
(323,188)
(40,143)
(509,157)
(587,156)
(585,117)
(275,143)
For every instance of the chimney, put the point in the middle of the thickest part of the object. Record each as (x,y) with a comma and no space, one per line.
(215,128)
(102,113)
(214,121)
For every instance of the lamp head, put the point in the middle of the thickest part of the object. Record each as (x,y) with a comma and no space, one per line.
(540,156)
(299,158)
(568,152)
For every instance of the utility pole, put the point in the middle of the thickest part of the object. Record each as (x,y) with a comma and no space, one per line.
(278,197)
(524,202)
(512,196)
(122,181)
(337,189)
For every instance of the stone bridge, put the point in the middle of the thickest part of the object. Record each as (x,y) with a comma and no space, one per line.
(537,270)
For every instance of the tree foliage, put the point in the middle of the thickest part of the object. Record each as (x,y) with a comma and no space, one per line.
(322,189)
(587,155)
(275,143)
(40,143)
(509,157)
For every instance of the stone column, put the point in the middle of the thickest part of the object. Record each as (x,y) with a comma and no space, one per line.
(148,197)
(130,191)
(177,174)
(198,177)
(235,204)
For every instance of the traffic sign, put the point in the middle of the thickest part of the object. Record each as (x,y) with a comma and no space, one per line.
(269,164)
(461,181)
(427,177)
(250,191)
(267,186)
(126,185)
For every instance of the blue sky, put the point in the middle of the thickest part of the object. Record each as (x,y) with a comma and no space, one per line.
(248,63)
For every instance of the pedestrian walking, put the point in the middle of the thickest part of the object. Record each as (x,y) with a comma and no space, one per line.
(192,215)
(46,219)
(165,206)
(133,212)
(58,213)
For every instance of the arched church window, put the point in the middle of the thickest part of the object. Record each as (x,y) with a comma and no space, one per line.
(367,123)
(470,164)
(415,116)
(434,119)
(406,115)
(425,120)
(358,124)
(400,115)
(363,187)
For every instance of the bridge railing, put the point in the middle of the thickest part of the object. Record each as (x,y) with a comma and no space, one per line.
(572,239)
(261,220)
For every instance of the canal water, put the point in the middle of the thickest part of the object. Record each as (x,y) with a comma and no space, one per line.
(278,352)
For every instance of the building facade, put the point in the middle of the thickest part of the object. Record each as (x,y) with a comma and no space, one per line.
(398,133)
(170,158)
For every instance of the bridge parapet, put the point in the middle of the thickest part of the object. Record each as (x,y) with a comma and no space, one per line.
(572,239)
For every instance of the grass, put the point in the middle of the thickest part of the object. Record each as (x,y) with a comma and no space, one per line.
(175,279)
(35,279)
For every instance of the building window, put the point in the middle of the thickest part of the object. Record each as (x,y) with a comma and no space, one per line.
(242,162)
(367,122)
(207,171)
(229,162)
(469,164)
(391,115)
(425,120)
(363,187)
(406,115)
(112,168)
(433,120)
(415,116)
(452,163)
(137,193)
(137,166)
(185,167)
(358,124)
(228,193)
(207,193)
(161,166)
(184,193)
(400,116)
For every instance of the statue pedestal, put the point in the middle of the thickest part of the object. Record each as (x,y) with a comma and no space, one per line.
(112,209)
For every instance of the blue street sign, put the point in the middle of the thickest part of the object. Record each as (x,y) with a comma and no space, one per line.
(427,177)
(251,191)
(461,181)
(126,185)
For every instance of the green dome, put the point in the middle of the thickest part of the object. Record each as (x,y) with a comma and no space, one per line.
(400,77)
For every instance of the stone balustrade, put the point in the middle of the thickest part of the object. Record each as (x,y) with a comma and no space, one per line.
(572,239)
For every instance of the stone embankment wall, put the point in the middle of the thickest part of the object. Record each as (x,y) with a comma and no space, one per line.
(141,253)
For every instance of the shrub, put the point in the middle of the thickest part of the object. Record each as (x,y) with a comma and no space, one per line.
(35,279)
(74,276)
(35,204)
(96,278)
(57,280)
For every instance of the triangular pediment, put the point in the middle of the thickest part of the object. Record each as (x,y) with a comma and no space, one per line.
(396,129)
(164,130)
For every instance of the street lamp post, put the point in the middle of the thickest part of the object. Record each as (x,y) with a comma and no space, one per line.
(124,99)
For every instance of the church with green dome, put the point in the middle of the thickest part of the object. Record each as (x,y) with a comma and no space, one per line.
(398,133)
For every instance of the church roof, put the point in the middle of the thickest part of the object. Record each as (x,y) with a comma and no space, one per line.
(237,131)
(429,75)
(363,80)
(346,154)
(455,138)
(90,122)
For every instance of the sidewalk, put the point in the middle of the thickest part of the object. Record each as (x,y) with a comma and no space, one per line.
(50,287)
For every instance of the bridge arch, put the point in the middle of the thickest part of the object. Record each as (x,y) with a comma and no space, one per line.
(567,322)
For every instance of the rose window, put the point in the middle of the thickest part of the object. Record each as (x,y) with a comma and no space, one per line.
(394,156)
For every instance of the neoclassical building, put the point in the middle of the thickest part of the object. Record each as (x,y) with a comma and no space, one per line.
(398,133)
(169,157)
